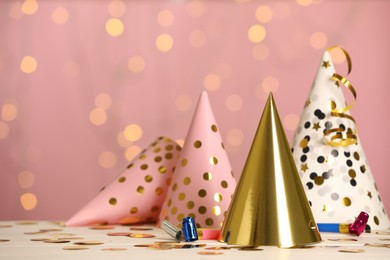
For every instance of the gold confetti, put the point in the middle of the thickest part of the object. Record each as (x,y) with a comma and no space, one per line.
(342,239)
(141,228)
(4,240)
(376,245)
(51,229)
(138,235)
(35,232)
(143,245)
(75,248)
(40,239)
(210,253)
(55,241)
(5,226)
(114,249)
(352,250)
(218,248)
(103,227)
(26,223)
(119,234)
(89,243)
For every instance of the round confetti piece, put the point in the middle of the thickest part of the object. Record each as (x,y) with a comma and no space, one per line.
(342,239)
(5,226)
(141,228)
(40,239)
(384,239)
(55,241)
(69,238)
(138,235)
(51,229)
(89,243)
(75,248)
(4,240)
(104,227)
(62,234)
(352,250)
(35,232)
(218,248)
(210,253)
(250,248)
(119,234)
(376,245)
(26,223)
(161,247)
(114,249)
(143,245)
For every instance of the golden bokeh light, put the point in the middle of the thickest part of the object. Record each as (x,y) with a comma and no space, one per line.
(260,51)
(29,201)
(234,103)
(103,101)
(165,18)
(133,132)
(195,8)
(4,130)
(304,2)
(263,14)
(136,64)
(164,42)
(29,7)
(28,64)
(70,69)
(122,141)
(15,11)
(183,102)
(98,116)
(337,55)
(107,159)
(212,82)
(291,121)
(256,33)
(131,152)
(114,27)
(318,40)
(270,84)
(26,179)
(60,15)
(116,8)
(235,136)
(197,38)
(9,112)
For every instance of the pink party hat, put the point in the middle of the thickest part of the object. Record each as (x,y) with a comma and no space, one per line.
(203,183)
(137,193)
(330,157)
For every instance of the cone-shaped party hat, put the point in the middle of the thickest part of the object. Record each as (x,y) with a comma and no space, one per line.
(203,183)
(330,157)
(137,193)
(269,206)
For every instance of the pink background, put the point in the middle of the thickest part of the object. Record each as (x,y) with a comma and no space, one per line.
(63,123)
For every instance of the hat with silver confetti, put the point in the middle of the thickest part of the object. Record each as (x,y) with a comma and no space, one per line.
(137,193)
(329,154)
(203,182)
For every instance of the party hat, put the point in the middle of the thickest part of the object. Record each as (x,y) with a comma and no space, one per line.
(269,206)
(137,193)
(330,157)
(203,182)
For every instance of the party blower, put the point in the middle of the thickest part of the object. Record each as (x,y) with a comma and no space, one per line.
(269,206)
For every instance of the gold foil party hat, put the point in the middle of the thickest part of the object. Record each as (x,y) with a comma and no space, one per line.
(269,206)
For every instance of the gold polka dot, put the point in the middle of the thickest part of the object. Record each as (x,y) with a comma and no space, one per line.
(140,190)
(352,173)
(130,165)
(180,217)
(162,169)
(319,180)
(155,208)
(122,179)
(363,168)
(218,197)
(112,201)
(169,202)
(207,176)
(184,162)
(133,210)
(168,181)
(148,178)
(347,201)
(202,209)
(216,210)
(223,146)
(209,222)
(168,156)
(376,220)
(157,159)
(173,210)
(224,184)
(169,147)
(356,155)
(197,144)
(213,160)
(178,147)
(173,169)
(157,149)
(144,166)
(143,157)
(158,191)
(190,204)
(192,215)
(214,128)
(303,143)
(182,196)
(202,193)
(174,187)
(187,180)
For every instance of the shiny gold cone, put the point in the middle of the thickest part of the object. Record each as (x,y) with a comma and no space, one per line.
(269,206)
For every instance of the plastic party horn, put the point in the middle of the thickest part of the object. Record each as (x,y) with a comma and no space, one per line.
(137,193)
(203,182)
(269,206)
(329,154)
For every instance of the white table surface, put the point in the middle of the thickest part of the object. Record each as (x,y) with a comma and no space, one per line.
(16,244)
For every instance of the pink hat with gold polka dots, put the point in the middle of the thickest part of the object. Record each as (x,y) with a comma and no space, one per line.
(137,193)
(203,183)
(330,158)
